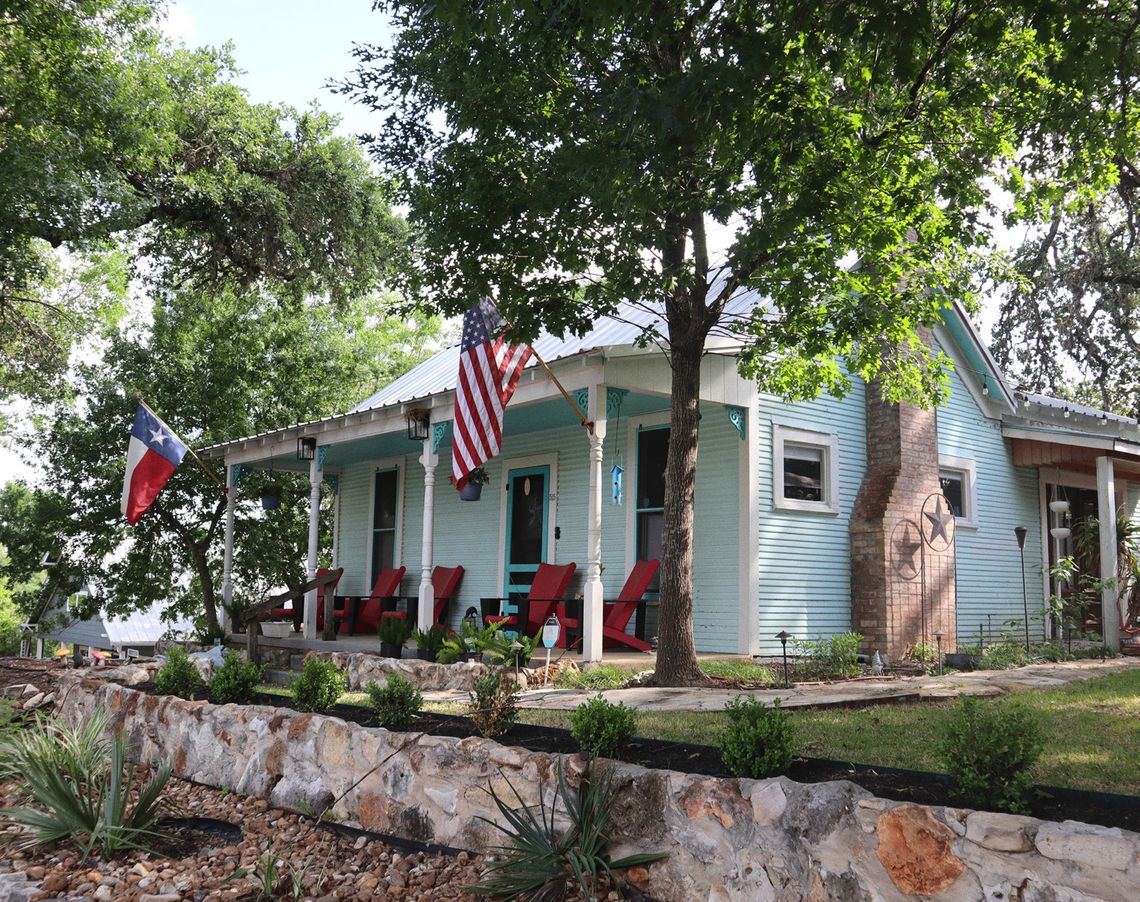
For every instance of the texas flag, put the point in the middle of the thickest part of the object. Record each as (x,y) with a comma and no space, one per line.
(152,457)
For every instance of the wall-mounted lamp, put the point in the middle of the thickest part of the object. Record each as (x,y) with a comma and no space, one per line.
(419,422)
(306,447)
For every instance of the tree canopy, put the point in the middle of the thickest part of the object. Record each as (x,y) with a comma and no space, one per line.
(111,137)
(216,367)
(566,156)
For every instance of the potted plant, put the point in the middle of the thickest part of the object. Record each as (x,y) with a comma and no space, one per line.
(271,497)
(473,489)
(394,632)
(428,644)
(469,644)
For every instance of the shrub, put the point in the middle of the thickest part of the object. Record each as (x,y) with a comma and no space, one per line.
(1005,655)
(319,686)
(394,630)
(396,703)
(836,657)
(544,861)
(76,787)
(236,680)
(431,642)
(758,740)
(604,676)
(988,748)
(178,676)
(602,728)
(494,702)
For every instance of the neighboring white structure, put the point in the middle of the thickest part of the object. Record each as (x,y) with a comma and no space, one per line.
(139,630)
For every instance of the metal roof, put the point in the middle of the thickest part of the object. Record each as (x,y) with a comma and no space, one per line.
(624,327)
(1060,405)
(136,628)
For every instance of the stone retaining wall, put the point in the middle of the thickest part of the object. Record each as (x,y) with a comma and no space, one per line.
(727,839)
(362,668)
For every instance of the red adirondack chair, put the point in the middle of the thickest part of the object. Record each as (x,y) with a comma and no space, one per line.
(445,582)
(297,612)
(387,586)
(547,589)
(619,611)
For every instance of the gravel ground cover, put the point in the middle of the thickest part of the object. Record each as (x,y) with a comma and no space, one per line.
(323,865)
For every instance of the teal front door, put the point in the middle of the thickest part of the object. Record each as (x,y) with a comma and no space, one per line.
(527,509)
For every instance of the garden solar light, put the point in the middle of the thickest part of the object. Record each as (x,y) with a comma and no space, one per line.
(784,636)
(938,639)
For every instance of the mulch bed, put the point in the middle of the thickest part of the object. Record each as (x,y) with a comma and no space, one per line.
(1048,803)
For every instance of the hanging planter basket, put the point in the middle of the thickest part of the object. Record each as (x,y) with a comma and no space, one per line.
(1059,507)
(1060,532)
(473,491)
(271,497)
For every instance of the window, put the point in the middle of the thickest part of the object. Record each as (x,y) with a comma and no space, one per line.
(652,452)
(956,477)
(805,473)
(384,515)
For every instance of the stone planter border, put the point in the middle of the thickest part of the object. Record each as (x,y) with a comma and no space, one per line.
(727,839)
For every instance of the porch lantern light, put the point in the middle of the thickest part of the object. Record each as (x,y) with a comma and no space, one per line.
(784,636)
(1021,532)
(419,423)
(306,447)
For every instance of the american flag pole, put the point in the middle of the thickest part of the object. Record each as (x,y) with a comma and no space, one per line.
(589,426)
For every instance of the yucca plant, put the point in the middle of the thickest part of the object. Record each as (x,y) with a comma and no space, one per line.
(78,786)
(543,864)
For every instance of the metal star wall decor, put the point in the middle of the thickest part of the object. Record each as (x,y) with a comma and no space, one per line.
(937,522)
(906,542)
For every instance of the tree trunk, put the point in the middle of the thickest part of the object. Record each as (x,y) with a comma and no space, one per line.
(676,651)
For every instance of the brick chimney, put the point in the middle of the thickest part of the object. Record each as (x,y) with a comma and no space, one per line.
(889,597)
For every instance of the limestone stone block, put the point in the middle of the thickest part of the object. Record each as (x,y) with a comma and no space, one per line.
(914,848)
(768,803)
(1000,832)
(1099,847)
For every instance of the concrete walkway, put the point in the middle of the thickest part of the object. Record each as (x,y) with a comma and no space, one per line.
(853,693)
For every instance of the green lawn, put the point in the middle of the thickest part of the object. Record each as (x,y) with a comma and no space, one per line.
(1091,732)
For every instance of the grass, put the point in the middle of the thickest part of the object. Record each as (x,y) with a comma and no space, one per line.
(1089,729)
(739,670)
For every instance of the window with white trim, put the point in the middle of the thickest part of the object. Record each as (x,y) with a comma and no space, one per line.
(957,477)
(805,472)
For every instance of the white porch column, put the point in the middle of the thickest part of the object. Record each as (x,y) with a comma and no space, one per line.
(426,616)
(314,535)
(39,648)
(228,554)
(1106,513)
(592,609)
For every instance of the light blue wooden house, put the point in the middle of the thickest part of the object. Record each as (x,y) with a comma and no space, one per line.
(811,518)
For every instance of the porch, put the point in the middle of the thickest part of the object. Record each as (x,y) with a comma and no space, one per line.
(557,493)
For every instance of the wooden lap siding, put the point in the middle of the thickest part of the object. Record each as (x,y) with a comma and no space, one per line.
(805,557)
(989,565)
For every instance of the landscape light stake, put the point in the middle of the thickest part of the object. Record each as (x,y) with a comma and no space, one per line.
(1020,532)
(784,636)
(938,639)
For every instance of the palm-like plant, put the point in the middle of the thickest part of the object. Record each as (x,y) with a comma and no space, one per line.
(77,786)
(544,864)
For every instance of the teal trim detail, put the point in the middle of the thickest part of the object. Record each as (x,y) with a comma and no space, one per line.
(322,453)
(238,472)
(509,585)
(333,482)
(582,399)
(438,431)
(736,417)
(614,398)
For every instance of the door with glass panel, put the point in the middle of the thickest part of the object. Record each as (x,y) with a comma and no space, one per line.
(384,504)
(528,490)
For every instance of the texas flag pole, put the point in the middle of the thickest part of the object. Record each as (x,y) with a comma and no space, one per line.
(153,454)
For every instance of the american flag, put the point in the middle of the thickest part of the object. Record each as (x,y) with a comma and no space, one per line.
(489,370)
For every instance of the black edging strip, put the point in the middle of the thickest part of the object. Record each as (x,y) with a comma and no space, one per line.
(396,842)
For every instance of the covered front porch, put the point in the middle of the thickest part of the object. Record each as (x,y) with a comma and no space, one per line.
(558,493)
(1087,483)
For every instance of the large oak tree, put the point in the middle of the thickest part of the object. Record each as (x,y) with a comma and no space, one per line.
(565,155)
